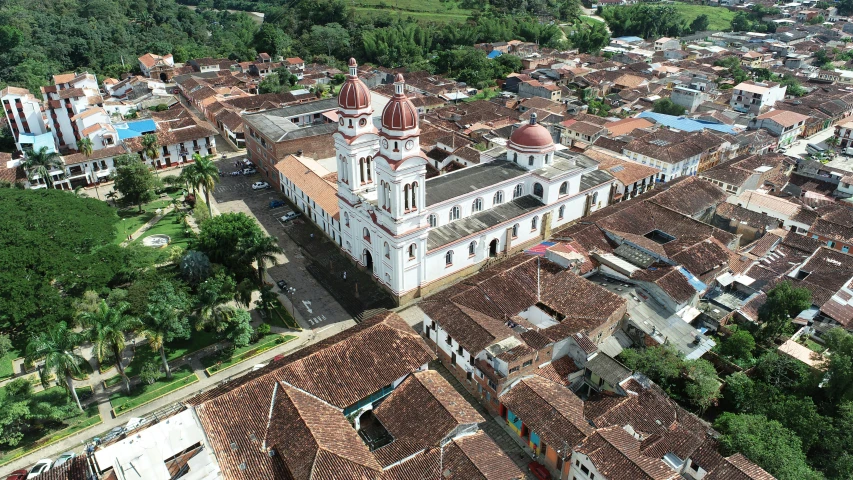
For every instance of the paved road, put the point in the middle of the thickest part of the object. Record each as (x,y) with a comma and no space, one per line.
(799,149)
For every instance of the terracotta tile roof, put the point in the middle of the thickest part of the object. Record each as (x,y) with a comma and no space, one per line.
(315,441)
(558,370)
(802,243)
(616,454)
(702,258)
(834,231)
(763,245)
(585,128)
(731,211)
(627,125)
(64,78)
(13,174)
(470,328)
(670,280)
(71,92)
(690,196)
(14,91)
(108,152)
(424,398)
(828,271)
(738,467)
(550,409)
(322,192)
(784,117)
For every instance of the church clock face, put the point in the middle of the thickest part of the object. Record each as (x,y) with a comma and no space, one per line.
(362,122)
(384,143)
(409,145)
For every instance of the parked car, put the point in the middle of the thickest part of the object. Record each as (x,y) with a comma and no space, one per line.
(40,467)
(249,171)
(260,186)
(290,216)
(17,475)
(62,459)
(282,285)
(277,203)
(539,471)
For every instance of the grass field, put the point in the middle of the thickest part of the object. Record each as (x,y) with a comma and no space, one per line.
(132,220)
(6,369)
(169,225)
(427,10)
(144,393)
(719,18)
(589,20)
(224,359)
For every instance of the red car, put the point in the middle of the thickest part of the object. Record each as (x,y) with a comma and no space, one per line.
(539,471)
(17,475)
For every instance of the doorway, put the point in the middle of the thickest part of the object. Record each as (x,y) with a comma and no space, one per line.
(493,248)
(368,260)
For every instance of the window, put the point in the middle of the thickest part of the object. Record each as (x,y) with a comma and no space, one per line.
(527,363)
(448,258)
(515,157)
(530,160)
(519,191)
(412,249)
(561,212)
(406,196)
(830,243)
(448,340)
(595,198)
(538,190)
(513,369)
(547,159)
(469,376)
(477,205)
(564,188)
(346,219)
(387,250)
(454,213)
(493,385)
(366,234)
(499,198)
(515,231)
(472,247)
(414,191)
(432,220)
(534,222)
(584,469)
(845,249)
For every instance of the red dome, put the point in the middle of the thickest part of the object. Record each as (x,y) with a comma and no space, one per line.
(534,135)
(399,113)
(354,93)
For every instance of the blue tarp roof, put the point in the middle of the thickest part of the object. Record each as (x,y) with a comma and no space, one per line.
(494,54)
(693,281)
(686,124)
(135,129)
(36,142)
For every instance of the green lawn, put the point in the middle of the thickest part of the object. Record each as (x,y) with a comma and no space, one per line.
(227,358)
(144,393)
(132,220)
(485,94)
(589,20)
(169,225)
(144,354)
(719,18)
(6,369)
(814,346)
(433,16)
(53,433)
(282,318)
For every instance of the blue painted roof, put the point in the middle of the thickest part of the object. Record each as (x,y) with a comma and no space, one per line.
(135,128)
(494,54)
(687,124)
(37,142)
(693,281)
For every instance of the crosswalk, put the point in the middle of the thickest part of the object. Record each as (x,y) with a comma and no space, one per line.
(316,320)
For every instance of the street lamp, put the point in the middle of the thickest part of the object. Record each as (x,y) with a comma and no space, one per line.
(290,291)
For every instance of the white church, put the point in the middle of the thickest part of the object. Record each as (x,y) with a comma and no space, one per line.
(416,234)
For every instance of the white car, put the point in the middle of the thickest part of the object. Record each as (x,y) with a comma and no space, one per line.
(260,185)
(290,216)
(40,467)
(249,171)
(62,459)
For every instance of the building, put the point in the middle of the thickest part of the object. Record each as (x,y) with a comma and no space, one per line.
(666,150)
(74,109)
(535,88)
(756,97)
(631,179)
(24,115)
(160,67)
(666,43)
(313,190)
(842,133)
(783,124)
(688,97)
(416,234)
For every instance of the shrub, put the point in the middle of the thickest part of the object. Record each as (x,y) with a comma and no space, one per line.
(263,329)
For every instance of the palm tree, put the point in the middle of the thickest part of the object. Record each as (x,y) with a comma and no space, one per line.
(39,164)
(155,333)
(205,174)
(262,249)
(84,145)
(150,146)
(210,307)
(56,346)
(107,327)
(833,141)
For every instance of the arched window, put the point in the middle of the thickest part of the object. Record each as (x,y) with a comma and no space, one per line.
(412,250)
(547,159)
(519,191)
(388,197)
(366,234)
(595,198)
(406,196)
(448,258)
(454,213)
(414,191)
(564,188)
(561,212)
(388,279)
(534,222)
(538,190)
(515,157)
(499,198)
(432,220)
(477,205)
(530,160)
(349,248)
(367,166)
(386,250)
(346,219)
(515,230)
(362,170)
(350,123)
(472,247)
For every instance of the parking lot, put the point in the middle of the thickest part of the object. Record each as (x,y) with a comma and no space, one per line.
(317,307)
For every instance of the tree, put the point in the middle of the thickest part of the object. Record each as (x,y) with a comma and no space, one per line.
(195,267)
(240,330)
(165,319)
(267,301)
(280,80)
(704,388)
(38,165)
(84,145)
(660,363)
(5,344)
(331,39)
(784,302)
(590,38)
(150,146)
(210,302)
(739,391)
(107,329)
(839,366)
(150,373)
(55,346)
(261,249)
(699,24)
(739,345)
(765,442)
(134,180)
(205,174)
(741,23)
(668,107)
(221,238)
(272,39)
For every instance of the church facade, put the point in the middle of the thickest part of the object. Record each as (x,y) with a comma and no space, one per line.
(415,234)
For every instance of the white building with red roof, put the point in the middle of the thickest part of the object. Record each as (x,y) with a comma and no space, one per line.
(415,234)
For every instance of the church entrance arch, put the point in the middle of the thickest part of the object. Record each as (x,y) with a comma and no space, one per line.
(493,248)
(368,260)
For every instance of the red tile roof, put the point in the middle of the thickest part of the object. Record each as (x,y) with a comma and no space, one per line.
(616,454)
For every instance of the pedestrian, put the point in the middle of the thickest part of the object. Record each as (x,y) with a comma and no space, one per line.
(345,276)
(312,236)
